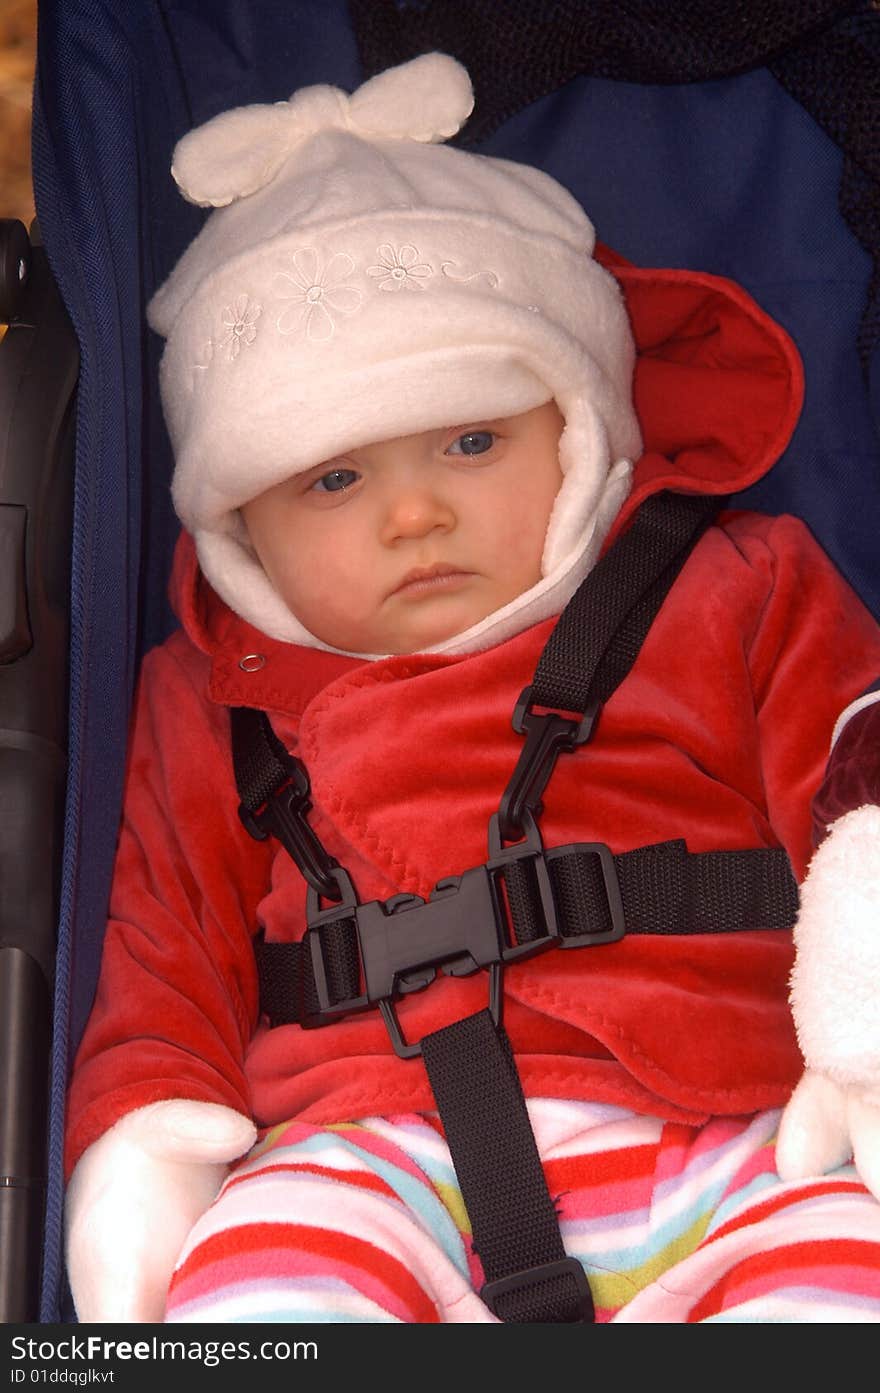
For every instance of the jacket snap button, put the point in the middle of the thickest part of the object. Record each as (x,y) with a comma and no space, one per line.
(252,662)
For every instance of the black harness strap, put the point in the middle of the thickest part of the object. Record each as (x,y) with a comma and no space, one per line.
(275,797)
(596,640)
(665,889)
(597,637)
(513,1218)
(520,901)
(598,898)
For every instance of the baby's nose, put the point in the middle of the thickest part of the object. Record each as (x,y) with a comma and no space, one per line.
(415,511)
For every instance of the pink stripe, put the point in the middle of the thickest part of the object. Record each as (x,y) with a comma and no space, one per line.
(609,1182)
(857,1281)
(360,1137)
(682,1146)
(600,1200)
(760,1163)
(384,1150)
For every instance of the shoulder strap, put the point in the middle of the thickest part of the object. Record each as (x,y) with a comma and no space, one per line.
(599,633)
(597,639)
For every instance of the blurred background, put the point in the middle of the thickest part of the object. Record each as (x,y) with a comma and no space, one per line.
(18,28)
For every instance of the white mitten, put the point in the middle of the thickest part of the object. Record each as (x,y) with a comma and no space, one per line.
(834,1112)
(133,1198)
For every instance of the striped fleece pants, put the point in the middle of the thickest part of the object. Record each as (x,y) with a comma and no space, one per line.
(364,1222)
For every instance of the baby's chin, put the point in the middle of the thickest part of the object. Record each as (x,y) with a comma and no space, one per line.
(418,634)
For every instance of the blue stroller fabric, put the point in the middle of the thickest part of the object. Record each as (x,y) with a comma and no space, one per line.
(733,175)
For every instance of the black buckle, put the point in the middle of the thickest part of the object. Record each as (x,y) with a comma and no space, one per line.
(284,815)
(346,907)
(462,927)
(457,931)
(548,735)
(534,1276)
(612,895)
(530,848)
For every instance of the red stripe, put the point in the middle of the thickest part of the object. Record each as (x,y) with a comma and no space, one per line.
(604,1167)
(334,1248)
(361,1180)
(788,1260)
(786,1199)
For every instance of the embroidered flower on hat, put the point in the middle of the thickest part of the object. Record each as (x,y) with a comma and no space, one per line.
(240,323)
(399,267)
(315,294)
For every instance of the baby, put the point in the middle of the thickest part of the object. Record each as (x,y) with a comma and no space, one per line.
(414,417)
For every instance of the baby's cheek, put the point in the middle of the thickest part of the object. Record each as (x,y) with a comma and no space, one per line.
(335,605)
(327,599)
(522,545)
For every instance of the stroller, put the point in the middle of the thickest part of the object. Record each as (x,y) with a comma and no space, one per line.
(726,137)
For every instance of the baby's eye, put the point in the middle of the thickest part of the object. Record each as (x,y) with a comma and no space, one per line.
(473,442)
(335,480)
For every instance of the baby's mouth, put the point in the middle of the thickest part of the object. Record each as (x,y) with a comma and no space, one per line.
(427,579)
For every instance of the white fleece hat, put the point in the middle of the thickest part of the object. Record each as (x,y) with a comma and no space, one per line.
(360,281)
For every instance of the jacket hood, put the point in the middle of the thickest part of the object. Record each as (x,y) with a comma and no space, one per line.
(718,388)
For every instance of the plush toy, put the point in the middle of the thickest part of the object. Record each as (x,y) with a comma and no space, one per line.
(835,1110)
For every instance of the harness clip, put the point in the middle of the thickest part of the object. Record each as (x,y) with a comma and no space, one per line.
(548,735)
(285,815)
(464,926)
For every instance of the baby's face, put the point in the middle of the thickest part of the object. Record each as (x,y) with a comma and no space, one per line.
(400,545)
